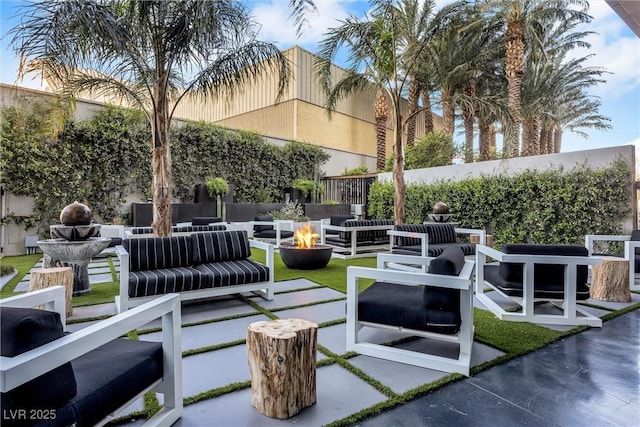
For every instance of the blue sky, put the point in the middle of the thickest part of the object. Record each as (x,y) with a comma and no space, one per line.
(615,47)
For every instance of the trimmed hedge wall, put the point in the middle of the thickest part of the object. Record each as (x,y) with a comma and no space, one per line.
(555,206)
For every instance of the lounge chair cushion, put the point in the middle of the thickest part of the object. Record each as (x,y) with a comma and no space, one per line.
(337,220)
(441,233)
(548,278)
(133,366)
(272,234)
(260,228)
(23,329)
(430,309)
(213,247)
(158,253)
(166,280)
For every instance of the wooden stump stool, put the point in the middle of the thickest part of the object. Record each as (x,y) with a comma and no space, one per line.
(282,363)
(58,276)
(474,238)
(610,280)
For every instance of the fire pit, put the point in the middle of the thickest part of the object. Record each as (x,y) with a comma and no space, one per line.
(305,254)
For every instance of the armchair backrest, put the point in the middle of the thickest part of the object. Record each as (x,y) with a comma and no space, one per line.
(450,263)
(411,228)
(22,330)
(441,233)
(261,228)
(543,273)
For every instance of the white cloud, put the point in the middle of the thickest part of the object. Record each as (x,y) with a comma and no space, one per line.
(613,50)
(279,28)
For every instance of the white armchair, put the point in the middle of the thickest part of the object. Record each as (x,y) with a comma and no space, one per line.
(145,367)
(631,252)
(437,305)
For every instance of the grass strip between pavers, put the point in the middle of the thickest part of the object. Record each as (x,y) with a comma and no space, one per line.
(512,338)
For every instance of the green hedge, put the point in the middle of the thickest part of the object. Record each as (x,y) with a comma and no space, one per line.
(554,206)
(103,159)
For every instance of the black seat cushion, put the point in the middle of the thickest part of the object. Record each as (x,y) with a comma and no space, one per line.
(133,366)
(431,309)
(548,278)
(23,329)
(238,272)
(272,234)
(166,280)
(205,220)
(260,228)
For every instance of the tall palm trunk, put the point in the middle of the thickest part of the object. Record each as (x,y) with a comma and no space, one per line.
(531,136)
(428,115)
(412,107)
(484,142)
(380,110)
(514,66)
(557,140)
(448,112)
(161,162)
(398,172)
(468,116)
(492,139)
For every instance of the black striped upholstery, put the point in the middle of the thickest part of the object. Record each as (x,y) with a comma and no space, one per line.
(182,229)
(159,265)
(213,247)
(166,280)
(238,272)
(440,237)
(364,236)
(153,253)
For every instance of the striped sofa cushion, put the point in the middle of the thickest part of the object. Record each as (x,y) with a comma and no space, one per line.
(237,272)
(220,246)
(441,233)
(165,280)
(365,236)
(142,230)
(412,228)
(153,253)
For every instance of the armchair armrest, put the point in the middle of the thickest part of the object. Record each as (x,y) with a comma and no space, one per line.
(590,239)
(475,232)
(269,251)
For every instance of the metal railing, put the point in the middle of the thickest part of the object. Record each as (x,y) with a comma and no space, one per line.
(352,190)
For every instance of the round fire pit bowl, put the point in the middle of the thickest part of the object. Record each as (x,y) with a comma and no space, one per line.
(305,258)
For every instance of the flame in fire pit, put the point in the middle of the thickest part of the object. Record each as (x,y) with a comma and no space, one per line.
(305,237)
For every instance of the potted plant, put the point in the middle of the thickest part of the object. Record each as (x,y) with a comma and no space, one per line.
(306,190)
(218,187)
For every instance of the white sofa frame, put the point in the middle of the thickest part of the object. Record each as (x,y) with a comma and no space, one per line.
(464,337)
(629,253)
(264,289)
(568,305)
(355,251)
(31,364)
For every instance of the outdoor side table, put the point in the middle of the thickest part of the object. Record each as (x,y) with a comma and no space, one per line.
(57,276)
(610,280)
(282,363)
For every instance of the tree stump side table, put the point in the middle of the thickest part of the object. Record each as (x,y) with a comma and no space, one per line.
(47,277)
(282,364)
(610,280)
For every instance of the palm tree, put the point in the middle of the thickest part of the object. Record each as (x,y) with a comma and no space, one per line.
(376,60)
(381,108)
(150,54)
(525,22)
(415,18)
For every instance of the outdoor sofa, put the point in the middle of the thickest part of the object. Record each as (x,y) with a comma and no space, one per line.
(197,265)
(357,238)
(52,378)
(431,239)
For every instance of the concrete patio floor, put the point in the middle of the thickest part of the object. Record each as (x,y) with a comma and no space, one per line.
(588,379)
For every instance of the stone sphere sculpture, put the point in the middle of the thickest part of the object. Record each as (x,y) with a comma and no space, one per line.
(440,208)
(76,214)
